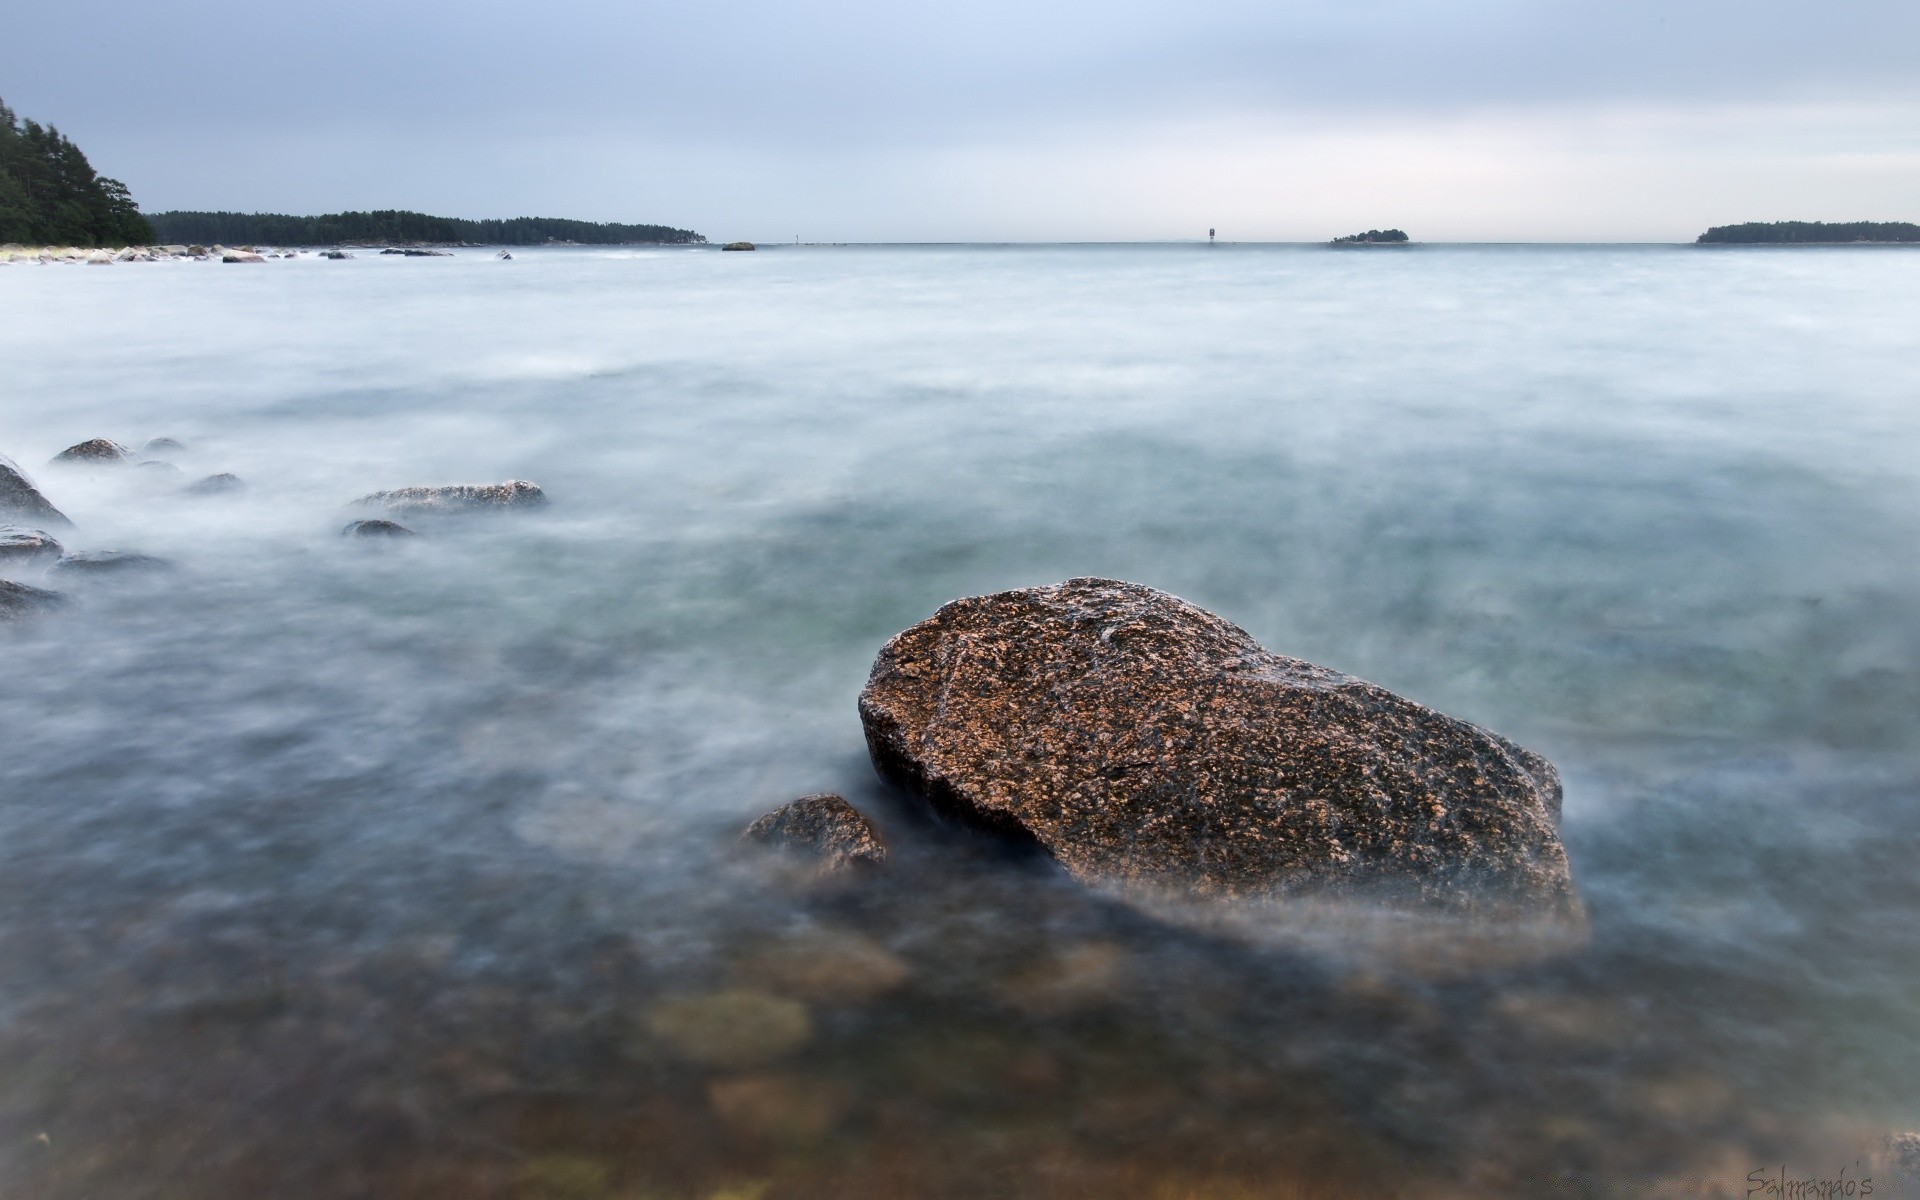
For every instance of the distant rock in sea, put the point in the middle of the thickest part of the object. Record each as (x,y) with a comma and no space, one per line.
(20,500)
(377,529)
(215,485)
(158,446)
(458,498)
(241,256)
(739,246)
(1372,237)
(99,452)
(1156,750)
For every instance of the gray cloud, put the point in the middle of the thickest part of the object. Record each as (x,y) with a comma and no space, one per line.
(685,81)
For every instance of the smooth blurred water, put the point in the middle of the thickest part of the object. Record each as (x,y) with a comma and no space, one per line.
(331,868)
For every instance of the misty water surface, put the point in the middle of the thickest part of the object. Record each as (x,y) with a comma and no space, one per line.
(331,868)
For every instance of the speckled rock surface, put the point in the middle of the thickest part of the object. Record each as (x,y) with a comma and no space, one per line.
(18,600)
(95,452)
(1154,748)
(21,501)
(825,828)
(24,545)
(458,498)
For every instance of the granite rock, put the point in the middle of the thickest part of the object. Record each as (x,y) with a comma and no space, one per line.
(824,828)
(1157,750)
(104,562)
(458,498)
(95,452)
(377,529)
(18,600)
(25,545)
(22,501)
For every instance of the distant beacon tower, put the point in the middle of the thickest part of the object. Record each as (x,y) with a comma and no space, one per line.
(1209,237)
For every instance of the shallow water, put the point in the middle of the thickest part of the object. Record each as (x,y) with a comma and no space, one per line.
(347,869)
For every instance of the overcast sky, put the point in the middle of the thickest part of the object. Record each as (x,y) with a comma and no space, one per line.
(882,120)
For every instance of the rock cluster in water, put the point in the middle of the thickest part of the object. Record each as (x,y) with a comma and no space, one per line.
(26,515)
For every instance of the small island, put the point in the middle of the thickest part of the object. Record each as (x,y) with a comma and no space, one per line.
(1811,233)
(1372,237)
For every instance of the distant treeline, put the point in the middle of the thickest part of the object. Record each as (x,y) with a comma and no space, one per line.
(389,226)
(51,196)
(1812,231)
(1372,237)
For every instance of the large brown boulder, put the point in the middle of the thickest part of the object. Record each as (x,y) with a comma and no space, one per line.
(21,501)
(1158,750)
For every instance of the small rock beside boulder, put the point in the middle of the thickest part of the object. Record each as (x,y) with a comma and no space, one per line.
(377,529)
(17,600)
(20,545)
(838,837)
(458,498)
(22,501)
(1158,751)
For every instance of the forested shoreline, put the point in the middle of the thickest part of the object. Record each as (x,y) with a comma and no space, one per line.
(50,195)
(1809,233)
(393,226)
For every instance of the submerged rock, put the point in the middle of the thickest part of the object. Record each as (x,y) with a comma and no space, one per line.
(825,828)
(1156,749)
(18,544)
(214,485)
(458,498)
(162,445)
(92,562)
(22,501)
(377,529)
(154,466)
(95,452)
(18,600)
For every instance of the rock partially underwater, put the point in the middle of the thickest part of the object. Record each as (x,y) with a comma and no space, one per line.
(109,562)
(457,498)
(20,500)
(823,830)
(215,485)
(26,545)
(95,452)
(1158,751)
(377,529)
(17,600)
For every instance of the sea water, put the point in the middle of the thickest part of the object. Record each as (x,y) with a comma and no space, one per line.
(337,868)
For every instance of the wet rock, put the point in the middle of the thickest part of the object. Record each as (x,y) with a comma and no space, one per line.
(377,529)
(827,965)
(736,1027)
(1157,750)
(162,445)
(18,600)
(22,501)
(738,246)
(336,255)
(108,562)
(824,828)
(458,498)
(25,545)
(95,452)
(241,256)
(216,485)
